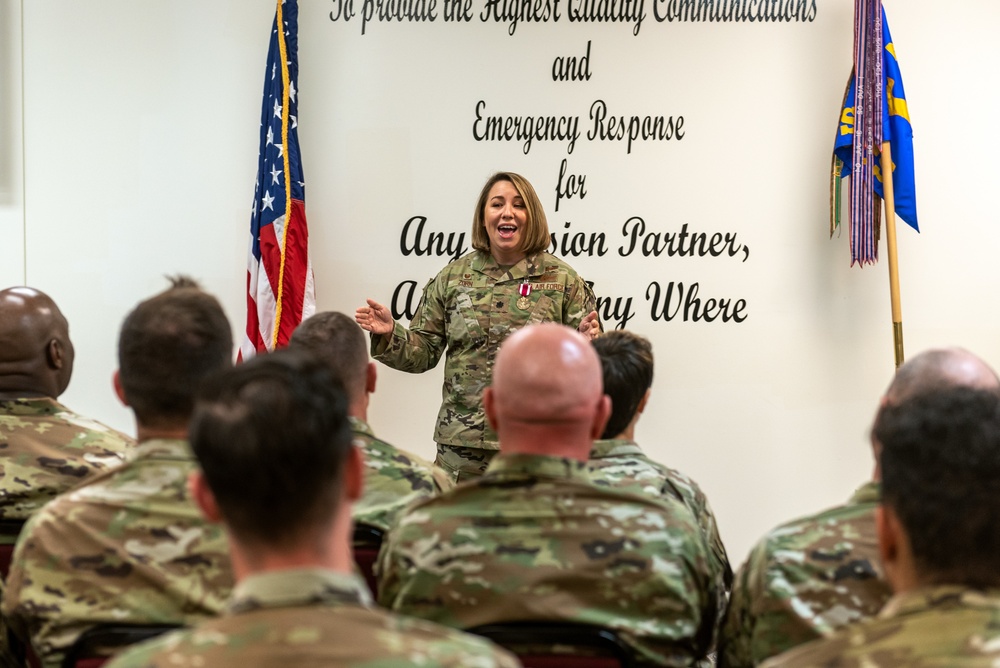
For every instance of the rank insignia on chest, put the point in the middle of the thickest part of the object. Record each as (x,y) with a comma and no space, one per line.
(525,291)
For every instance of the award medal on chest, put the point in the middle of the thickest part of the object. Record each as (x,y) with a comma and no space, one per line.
(524,290)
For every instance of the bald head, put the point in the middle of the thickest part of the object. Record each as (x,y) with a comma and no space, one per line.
(36,355)
(940,368)
(546,393)
(932,370)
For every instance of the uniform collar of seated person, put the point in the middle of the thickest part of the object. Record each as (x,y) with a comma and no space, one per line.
(938,528)
(279,471)
(535,539)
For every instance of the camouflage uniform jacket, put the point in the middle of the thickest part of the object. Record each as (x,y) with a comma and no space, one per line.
(804,580)
(535,540)
(622,465)
(393,479)
(470,308)
(128,547)
(48,449)
(312,617)
(932,626)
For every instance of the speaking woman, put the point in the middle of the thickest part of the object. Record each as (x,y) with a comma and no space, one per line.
(468,309)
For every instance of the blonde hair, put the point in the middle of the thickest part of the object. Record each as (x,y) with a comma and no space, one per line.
(536,230)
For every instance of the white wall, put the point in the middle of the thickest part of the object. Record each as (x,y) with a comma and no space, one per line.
(140,143)
(11,147)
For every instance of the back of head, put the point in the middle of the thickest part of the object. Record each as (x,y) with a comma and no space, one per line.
(938,368)
(627,370)
(547,380)
(940,462)
(167,346)
(272,438)
(36,354)
(337,341)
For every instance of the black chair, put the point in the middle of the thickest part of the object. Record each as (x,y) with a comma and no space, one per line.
(9,531)
(560,644)
(367,542)
(96,646)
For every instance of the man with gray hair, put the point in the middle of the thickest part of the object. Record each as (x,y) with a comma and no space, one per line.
(816,574)
(938,526)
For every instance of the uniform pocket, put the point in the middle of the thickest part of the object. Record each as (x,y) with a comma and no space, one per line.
(463,323)
(543,311)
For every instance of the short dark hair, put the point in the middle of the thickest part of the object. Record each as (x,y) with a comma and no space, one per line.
(272,436)
(627,368)
(168,344)
(337,341)
(940,462)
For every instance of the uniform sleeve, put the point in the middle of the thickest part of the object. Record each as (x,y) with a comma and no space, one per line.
(580,301)
(736,633)
(418,348)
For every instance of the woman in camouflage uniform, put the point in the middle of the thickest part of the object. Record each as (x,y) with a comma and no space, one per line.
(468,309)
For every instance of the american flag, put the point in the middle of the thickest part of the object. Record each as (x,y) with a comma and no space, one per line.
(280,290)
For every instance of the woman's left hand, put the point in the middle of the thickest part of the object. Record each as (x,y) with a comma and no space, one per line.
(590,326)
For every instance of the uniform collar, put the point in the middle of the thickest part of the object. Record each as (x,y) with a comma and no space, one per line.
(162,448)
(31,406)
(532,265)
(360,427)
(298,588)
(510,467)
(614,447)
(870,492)
(940,596)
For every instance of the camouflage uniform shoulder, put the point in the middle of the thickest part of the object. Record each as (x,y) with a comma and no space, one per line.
(311,617)
(804,580)
(933,626)
(622,464)
(394,479)
(127,547)
(535,539)
(48,449)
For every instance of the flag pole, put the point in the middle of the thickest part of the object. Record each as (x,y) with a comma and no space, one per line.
(890,239)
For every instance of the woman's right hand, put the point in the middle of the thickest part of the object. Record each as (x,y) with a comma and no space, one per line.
(374,318)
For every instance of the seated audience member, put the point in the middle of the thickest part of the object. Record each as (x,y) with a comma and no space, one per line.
(816,574)
(130,547)
(393,478)
(279,471)
(617,460)
(534,539)
(938,527)
(46,447)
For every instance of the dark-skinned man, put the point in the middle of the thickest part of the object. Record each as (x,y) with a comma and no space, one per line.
(46,448)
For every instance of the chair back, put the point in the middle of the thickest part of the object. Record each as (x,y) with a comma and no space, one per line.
(96,646)
(367,542)
(560,644)
(9,531)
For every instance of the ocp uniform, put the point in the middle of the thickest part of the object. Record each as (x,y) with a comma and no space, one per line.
(470,308)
